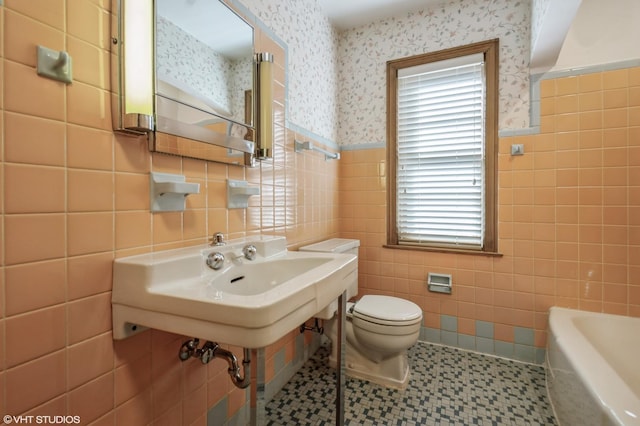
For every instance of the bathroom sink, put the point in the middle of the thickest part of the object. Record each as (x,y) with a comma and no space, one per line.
(248,303)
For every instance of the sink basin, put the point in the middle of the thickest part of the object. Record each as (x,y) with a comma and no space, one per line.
(257,278)
(248,303)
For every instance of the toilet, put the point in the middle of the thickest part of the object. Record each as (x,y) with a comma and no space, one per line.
(379,329)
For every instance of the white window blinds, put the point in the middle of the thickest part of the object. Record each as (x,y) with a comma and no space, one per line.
(440,143)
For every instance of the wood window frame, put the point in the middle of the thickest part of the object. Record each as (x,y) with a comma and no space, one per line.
(490,49)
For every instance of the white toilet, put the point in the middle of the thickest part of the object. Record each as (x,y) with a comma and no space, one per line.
(379,329)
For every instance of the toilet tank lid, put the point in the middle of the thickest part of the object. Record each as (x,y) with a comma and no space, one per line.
(334,245)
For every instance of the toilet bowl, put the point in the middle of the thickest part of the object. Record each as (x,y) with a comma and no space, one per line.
(379,330)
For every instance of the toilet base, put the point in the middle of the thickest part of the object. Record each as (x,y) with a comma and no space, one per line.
(392,372)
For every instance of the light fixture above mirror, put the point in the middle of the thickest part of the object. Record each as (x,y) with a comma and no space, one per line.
(193,94)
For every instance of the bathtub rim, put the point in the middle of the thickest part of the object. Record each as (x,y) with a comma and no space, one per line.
(568,337)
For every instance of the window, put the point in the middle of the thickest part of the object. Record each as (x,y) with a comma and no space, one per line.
(442,147)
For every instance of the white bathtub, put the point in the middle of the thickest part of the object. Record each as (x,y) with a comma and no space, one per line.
(593,368)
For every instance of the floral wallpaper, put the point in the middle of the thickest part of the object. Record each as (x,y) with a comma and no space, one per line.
(312,45)
(185,62)
(363,53)
(337,81)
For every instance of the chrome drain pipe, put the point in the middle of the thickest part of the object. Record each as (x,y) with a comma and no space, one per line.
(240,377)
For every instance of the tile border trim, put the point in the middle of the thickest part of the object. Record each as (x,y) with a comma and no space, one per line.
(521,349)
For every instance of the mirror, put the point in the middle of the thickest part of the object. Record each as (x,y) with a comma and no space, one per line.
(204,63)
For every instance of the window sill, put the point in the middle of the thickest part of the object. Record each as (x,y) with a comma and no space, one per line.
(442,250)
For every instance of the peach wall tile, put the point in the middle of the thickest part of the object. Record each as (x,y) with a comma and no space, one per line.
(88,106)
(132,379)
(614,118)
(46,331)
(617,235)
(89,148)
(634,116)
(172,416)
(590,101)
(136,411)
(89,22)
(216,390)
(2,381)
(547,88)
(616,98)
(591,120)
(131,154)
(132,191)
(163,351)
(26,86)
(590,82)
(49,12)
(167,227)
(566,86)
(89,275)
(33,189)
(97,225)
(615,79)
(166,163)
(32,33)
(89,359)
(591,139)
(131,349)
(34,285)
(195,404)
(56,407)
(48,372)
(90,63)
(88,317)
(236,399)
(133,229)
(195,224)
(566,104)
(33,140)
(20,231)
(94,399)
(634,96)
(89,191)
(166,389)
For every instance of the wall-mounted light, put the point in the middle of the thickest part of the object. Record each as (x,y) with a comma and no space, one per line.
(133,44)
(264,105)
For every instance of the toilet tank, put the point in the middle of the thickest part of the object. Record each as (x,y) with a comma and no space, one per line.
(336,245)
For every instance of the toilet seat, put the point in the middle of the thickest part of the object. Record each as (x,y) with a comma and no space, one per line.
(387,311)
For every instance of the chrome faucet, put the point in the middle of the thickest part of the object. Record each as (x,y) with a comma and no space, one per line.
(217,239)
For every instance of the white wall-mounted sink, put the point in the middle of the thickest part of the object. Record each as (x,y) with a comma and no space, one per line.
(248,303)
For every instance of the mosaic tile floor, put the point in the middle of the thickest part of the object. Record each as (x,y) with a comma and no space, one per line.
(448,387)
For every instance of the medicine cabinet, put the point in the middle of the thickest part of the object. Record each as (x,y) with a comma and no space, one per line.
(186,73)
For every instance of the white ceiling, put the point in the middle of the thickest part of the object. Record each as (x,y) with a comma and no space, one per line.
(345,14)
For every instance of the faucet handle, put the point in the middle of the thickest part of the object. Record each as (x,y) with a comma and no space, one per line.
(217,239)
(215,260)
(249,252)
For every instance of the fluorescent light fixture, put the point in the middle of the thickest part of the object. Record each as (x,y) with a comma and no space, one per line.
(264,104)
(135,48)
